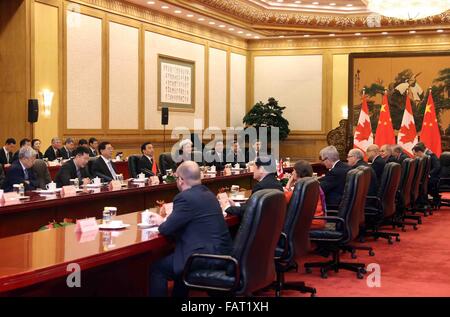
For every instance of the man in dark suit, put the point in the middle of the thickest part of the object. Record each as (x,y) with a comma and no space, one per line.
(333,182)
(21,172)
(93,147)
(53,151)
(236,155)
(2,176)
(66,150)
(6,153)
(378,164)
(420,150)
(216,157)
(22,143)
(147,163)
(355,158)
(103,166)
(75,168)
(398,154)
(386,154)
(254,151)
(196,223)
(264,171)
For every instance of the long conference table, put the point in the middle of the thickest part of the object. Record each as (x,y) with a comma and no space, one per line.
(112,263)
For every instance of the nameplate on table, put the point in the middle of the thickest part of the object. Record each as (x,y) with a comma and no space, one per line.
(115,185)
(83,237)
(68,191)
(10,198)
(227,171)
(154,180)
(86,225)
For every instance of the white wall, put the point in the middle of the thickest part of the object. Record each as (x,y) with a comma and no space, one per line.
(217,88)
(238,89)
(296,82)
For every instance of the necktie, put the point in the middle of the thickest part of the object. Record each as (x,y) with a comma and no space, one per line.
(25,173)
(111,169)
(7,157)
(79,174)
(154,167)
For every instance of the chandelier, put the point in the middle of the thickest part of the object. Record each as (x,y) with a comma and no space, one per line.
(409,9)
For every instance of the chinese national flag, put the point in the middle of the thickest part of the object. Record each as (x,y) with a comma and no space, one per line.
(363,133)
(431,135)
(407,136)
(385,132)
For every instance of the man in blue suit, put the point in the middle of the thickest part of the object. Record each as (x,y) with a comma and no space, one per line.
(196,223)
(21,172)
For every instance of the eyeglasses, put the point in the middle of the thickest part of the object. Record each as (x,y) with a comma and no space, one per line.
(324,159)
(350,156)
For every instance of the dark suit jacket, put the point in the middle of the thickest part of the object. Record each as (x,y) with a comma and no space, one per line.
(268,182)
(373,188)
(198,226)
(435,169)
(50,154)
(145,166)
(39,155)
(100,169)
(233,158)
(333,183)
(92,154)
(3,159)
(2,176)
(65,154)
(15,156)
(215,160)
(378,166)
(401,158)
(69,171)
(15,175)
(391,159)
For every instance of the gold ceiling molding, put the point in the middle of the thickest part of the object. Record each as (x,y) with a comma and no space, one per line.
(431,42)
(256,15)
(153,17)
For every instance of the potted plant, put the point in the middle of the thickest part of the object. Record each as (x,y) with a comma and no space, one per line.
(268,115)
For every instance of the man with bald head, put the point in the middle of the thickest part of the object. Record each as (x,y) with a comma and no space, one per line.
(378,164)
(196,223)
(355,158)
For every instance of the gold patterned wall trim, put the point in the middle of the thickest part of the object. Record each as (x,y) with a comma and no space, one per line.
(166,21)
(270,20)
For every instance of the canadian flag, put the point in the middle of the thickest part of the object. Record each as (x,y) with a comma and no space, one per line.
(363,133)
(407,135)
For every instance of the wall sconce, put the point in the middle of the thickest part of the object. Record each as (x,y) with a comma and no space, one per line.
(344,110)
(47,96)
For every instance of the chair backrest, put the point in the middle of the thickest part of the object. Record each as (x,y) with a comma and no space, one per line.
(133,165)
(351,204)
(426,161)
(445,164)
(366,179)
(42,173)
(257,238)
(299,216)
(390,181)
(166,162)
(406,182)
(90,163)
(416,181)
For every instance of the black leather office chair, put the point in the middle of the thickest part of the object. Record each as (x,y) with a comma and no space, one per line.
(250,267)
(347,228)
(415,192)
(422,203)
(294,240)
(403,201)
(444,180)
(90,163)
(166,162)
(133,165)
(381,210)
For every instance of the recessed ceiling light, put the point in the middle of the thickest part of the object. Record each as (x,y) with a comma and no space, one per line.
(257,37)
(201,19)
(281,36)
(190,15)
(177,11)
(297,2)
(440,31)
(249,34)
(385,33)
(230,29)
(306,35)
(240,32)
(349,5)
(332,4)
(150,2)
(315,3)
(357,33)
(212,22)
(164,7)
(332,34)
(412,31)
(221,26)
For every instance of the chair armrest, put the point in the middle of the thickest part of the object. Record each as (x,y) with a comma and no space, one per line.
(225,258)
(283,237)
(331,212)
(331,219)
(376,199)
